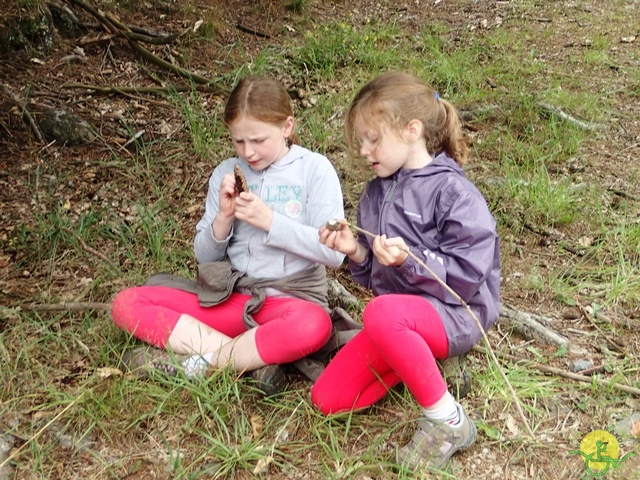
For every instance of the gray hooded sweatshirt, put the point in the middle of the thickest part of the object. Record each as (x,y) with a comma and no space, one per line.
(303,190)
(446,222)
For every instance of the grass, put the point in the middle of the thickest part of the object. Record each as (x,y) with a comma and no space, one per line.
(538,173)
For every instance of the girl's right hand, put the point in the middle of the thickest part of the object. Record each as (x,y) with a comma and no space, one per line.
(341,240)
(223,220)
(227,196)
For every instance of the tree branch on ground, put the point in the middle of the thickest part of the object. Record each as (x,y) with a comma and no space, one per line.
(531,325)
(563,373)
(159,90)
(25,113)
(113,25)
(547,110)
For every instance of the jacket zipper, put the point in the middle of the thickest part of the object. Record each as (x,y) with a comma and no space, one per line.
(262,175)
(388,199)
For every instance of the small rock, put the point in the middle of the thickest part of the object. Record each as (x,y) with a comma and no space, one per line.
(580,365)
(6,444)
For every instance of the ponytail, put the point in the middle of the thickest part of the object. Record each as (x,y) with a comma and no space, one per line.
(452,138)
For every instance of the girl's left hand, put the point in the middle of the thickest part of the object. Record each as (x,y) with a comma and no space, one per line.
(251,209)
(390,251)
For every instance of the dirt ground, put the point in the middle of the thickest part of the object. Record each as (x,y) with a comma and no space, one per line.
(40,71)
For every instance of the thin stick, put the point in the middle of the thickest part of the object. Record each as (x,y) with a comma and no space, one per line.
(39,432)
(159,90)
(241,27)
(86,247)
(14,98)
(64,306)
(465,305)
(563,373)
(550,109)
(585,313)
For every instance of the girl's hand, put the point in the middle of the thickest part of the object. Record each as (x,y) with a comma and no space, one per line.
(227,196)
(341,240)
(390,251)
(251,209)
(223,220)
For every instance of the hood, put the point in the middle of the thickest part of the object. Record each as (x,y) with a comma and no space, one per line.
(442,162)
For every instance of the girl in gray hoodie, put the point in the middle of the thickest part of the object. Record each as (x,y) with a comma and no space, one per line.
(420,202)
(267,233)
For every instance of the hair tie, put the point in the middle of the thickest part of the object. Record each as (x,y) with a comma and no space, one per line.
(436,96)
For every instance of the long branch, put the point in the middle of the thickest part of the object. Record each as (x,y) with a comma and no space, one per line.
(160,90)
(563,373)
(466,306)
(64,306)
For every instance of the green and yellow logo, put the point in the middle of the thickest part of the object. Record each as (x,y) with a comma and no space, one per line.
(601,451)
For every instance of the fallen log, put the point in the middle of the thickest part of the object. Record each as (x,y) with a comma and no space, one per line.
(530,325)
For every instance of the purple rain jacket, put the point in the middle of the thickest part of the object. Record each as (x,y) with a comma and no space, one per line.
(445,221)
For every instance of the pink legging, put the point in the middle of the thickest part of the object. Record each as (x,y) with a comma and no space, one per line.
(289,328)
(402,337)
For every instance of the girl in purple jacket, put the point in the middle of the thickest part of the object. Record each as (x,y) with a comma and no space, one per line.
(420,202)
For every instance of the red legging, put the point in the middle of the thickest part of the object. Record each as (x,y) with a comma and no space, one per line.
(402,337)
(289,328)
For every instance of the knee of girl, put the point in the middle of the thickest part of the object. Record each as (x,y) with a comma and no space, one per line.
(123,309)
(315,329)
(378,314)
(119,305)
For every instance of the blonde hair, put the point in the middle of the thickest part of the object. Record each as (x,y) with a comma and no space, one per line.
(392,100)
(262,98)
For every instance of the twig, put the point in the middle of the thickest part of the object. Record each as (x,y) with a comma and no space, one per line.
(622,194)
(615,345)
(39,432)
(14,98)
(465,305)
(241,27)
(86,247)
(565,374)
(64,306)
(124,90)
(550,109)
(103,37)
(537,19)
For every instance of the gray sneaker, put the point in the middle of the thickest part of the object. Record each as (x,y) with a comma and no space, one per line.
(146,361)
(456,375)
(435,442)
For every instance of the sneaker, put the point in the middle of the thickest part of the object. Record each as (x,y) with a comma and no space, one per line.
(271,379)
(146,361)
(456,375)
(435,442)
